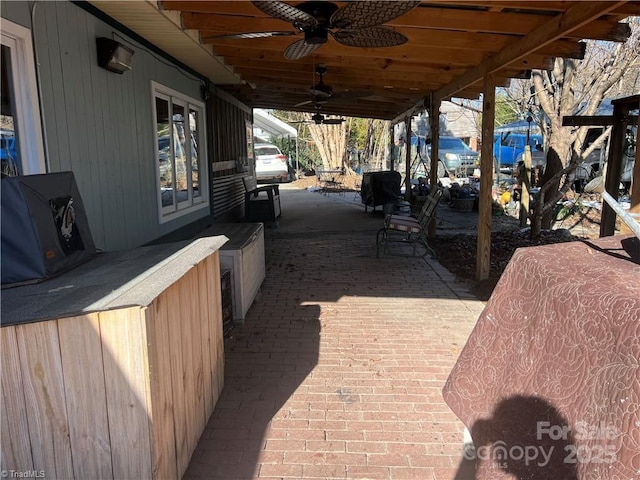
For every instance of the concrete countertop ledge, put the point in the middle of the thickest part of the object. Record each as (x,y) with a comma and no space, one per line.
(108,281)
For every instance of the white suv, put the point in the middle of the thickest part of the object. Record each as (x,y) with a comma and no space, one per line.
(271,164)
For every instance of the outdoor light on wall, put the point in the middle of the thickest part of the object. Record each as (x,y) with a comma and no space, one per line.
(113,56)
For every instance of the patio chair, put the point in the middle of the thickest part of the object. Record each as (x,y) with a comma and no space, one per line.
(409,230)
(261,203)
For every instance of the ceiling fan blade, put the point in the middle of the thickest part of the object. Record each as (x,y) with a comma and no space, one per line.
(254,35)
(361,14)
(332,121)
(303,103)
(286,12)
(300,49)
(372,37)
(321,91)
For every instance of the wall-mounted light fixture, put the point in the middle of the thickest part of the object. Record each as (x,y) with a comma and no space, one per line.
(113,55)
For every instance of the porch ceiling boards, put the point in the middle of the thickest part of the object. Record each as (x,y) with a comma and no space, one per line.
(452,45)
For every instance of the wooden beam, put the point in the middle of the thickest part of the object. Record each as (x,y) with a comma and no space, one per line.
(412,110)
(531,61)
(427,16)
(573,19)
(532,5)
(483,251)
(277,45)
(591,120)
(372,112)
(350,79)
(377,66)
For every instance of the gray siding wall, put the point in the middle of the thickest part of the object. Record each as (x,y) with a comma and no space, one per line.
(100,124)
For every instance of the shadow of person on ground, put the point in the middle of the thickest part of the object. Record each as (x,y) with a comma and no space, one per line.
(525,437)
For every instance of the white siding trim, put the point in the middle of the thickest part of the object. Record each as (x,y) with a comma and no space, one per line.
(202,201)
(18,38)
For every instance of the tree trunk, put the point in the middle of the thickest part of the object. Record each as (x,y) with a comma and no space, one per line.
(331,141)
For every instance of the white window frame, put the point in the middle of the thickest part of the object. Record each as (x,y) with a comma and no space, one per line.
(192,204)
(25,87)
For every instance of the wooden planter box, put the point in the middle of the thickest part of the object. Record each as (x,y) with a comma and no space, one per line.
(124,386)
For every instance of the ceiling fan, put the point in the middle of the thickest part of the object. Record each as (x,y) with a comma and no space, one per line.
(356,24)
(320,92)
(319,119)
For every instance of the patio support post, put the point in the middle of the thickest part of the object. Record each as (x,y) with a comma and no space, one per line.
(614,166)
(391,145)
(407,177)
(635,180)
(297,157)
(486,179)
(434,124)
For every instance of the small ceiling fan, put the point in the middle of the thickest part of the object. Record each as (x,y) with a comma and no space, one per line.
(319,119)
(320,92)
(356,24)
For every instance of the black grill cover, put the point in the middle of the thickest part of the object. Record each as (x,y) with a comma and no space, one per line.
(380,188)
(45,230)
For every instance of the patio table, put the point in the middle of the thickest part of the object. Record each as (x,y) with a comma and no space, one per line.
(549,381)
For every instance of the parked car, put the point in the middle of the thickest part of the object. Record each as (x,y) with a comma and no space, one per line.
(455,157)
(271,163)
(508,149)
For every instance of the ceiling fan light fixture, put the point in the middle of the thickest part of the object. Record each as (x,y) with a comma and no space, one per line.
(317,35)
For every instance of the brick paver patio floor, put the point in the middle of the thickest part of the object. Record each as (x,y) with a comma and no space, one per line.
(338,370)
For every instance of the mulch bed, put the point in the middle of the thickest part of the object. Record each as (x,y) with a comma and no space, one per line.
(458,254)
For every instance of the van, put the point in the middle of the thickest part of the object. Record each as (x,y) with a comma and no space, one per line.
(508,149)
(455,157)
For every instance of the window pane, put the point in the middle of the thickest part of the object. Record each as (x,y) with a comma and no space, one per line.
(182,187)
(195,165)
(9,151)
(267,151)
(165,159)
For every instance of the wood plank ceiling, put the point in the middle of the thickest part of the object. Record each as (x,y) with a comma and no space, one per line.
(451,44)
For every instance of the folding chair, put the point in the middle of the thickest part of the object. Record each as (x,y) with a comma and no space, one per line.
(409,230)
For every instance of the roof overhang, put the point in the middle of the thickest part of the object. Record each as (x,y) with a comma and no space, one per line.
(164,29)
(452,46)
